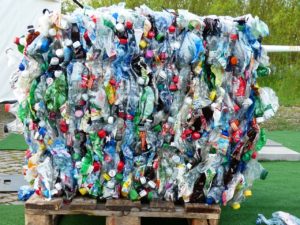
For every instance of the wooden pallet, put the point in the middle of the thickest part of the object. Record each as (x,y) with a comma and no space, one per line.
(118,212)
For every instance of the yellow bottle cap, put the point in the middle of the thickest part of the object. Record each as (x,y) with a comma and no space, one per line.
(212,95)
(106,176)
(143,44)
(236,205)
(248,193)
(83,191)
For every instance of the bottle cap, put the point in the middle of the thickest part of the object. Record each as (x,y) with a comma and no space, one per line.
(236,205)
(52,32)
(83,191)
(68,42)
(248,193)
(106,177)
(110,120)
(54,61)
(112,173)
(120,27)
(59,53)
(76,44)
(119,177)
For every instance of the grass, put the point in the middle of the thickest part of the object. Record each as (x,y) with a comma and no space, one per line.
(289,139)
(279,192)
(13,142)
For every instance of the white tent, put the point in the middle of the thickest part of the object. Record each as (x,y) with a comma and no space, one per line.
(16,15)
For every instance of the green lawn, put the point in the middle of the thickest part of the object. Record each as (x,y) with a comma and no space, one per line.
(13,142)
(280,191)
(289,139)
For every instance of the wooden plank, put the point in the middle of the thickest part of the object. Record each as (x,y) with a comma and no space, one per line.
(213,222)
(198,222)
(122,205)
(36,202)
(142,213)
(159,205)
(123,220)
(38,219)
(83,203)
(202,208)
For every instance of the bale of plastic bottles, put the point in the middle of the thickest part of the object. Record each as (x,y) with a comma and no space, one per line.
(143,104)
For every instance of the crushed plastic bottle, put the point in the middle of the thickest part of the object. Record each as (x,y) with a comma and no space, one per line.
(143,104)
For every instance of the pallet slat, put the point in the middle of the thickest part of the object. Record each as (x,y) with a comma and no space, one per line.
(36,202)
(118,211)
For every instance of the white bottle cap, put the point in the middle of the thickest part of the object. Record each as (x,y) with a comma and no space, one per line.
(68,42)
(120,27)
(112,173)
(52,32)
(59,53)
(76,44)
(54,61)
(110,120)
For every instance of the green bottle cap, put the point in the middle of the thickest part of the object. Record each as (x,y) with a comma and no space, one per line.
(264,174)
(160,37)
(133,195)
(119,177)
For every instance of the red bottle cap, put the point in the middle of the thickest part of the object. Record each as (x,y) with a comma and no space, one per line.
(96,166)
(254,155)
(163,56)
(234,37)
(63,126)
(113,82)
(120,166)
(175,79)
(173,87)
(196,135)
(123,41)
(151,35)
(172,29)
(102,133)
(129,25)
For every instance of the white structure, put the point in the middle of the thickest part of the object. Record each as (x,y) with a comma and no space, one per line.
(16,15)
